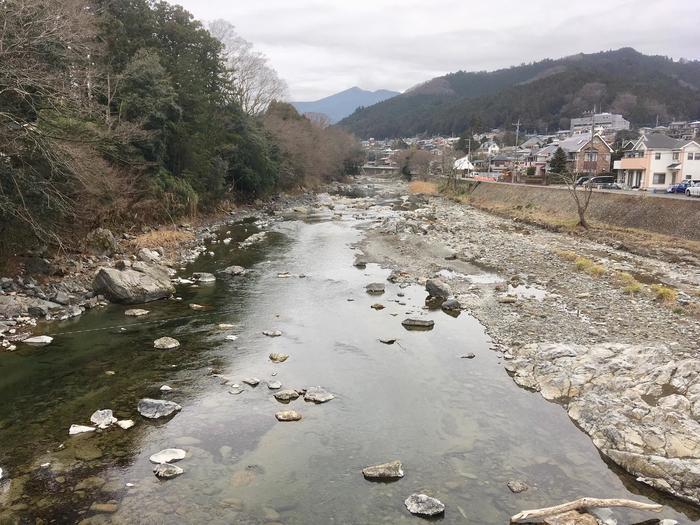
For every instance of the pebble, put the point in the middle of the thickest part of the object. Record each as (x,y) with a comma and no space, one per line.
(470,355)
(79,429)
(375,288)
(384,472)
(423,505)
(168,455)
(125,424)
(516,486)
(252,381)
(166,343)
(278,358)
(157,408)
(288,415)
(387,341)
(317,394)
(39,340)
(286,395)
(272,333)
(136,312)
(418,324)
(103,418)
(274,385)
(167,471)
(166,388)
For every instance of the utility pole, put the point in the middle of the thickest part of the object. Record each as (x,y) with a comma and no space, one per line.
(517,136)
(592,148)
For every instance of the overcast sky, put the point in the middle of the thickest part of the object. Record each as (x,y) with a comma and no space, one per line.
(323,46)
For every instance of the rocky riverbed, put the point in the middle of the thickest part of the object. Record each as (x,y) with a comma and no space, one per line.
(286,378)
(622,361)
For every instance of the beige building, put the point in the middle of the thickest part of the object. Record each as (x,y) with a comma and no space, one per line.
(656,161)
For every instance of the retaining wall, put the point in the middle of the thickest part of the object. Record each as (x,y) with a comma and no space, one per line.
(679,217)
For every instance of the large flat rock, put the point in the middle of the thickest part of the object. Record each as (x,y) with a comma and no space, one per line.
(141,283)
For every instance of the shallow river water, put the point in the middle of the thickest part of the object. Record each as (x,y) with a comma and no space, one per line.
(461,427)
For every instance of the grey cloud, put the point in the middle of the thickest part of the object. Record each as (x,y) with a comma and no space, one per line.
(321,47)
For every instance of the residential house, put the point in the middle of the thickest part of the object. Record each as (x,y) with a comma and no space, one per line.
(684,130)
(464,168)
(490,148)
(690,161)
(583,154)
(654,162)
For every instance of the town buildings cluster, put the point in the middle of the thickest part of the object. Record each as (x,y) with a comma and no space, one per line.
(595,144)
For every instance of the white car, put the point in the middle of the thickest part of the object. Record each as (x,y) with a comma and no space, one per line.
(693,191)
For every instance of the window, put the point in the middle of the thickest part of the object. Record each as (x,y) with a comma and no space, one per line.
(676,155)
(657,156)
(591,156)
(659,178)
(690,156)
(697,156)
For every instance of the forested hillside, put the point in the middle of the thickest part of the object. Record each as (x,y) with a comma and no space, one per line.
(543,95)
(119,112)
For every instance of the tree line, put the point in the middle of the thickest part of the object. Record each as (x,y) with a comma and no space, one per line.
(120,112)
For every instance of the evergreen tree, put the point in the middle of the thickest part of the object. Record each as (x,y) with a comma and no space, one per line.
(558,162)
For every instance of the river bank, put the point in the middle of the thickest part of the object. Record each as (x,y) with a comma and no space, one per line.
(610,335)
(38,288)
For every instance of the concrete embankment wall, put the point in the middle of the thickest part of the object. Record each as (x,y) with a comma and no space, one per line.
(678,217)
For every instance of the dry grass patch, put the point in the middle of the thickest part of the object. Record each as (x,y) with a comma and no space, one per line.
(630,285)
(422,186)
(664,294)
(583,264)
(163,238)
(567,255)
(596,270)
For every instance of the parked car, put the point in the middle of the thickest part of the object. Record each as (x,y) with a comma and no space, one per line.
(603,182)
(678,188)
(582,180)
(694,190)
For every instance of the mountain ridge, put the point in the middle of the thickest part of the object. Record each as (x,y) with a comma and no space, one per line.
(341,104)
(543,95)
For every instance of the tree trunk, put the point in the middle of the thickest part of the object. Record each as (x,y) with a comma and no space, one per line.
(528,516)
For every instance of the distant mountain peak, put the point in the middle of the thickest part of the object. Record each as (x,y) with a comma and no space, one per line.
(338,106)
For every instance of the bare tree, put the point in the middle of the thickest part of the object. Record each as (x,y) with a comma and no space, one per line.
(320,120)
(448,167)
(581,195)
(45,74)
(254,83)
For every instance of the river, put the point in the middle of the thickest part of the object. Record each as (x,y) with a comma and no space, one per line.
(461,427)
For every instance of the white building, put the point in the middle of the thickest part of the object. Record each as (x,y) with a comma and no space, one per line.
(600,121)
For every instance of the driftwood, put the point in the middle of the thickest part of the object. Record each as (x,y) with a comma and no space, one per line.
(527,516)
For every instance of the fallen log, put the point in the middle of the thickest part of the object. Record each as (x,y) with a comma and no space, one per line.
(528,516)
